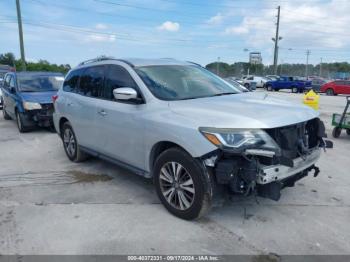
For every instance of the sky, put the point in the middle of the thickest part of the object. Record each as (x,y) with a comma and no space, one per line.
(202,31)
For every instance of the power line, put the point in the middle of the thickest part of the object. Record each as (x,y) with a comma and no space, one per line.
(73,29)
(151,8)
(127,17)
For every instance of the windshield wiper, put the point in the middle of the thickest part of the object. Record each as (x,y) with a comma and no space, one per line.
(224,94)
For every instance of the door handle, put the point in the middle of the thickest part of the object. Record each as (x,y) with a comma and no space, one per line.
(69,104)
(102,112)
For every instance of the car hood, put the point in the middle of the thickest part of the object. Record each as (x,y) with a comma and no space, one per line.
(38,97)
(247,110)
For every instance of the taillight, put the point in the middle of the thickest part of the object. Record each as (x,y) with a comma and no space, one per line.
(54,98)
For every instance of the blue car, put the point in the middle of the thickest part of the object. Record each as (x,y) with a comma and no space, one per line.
(27,98)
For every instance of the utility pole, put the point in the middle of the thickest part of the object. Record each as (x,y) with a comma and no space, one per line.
(275,57)
(20,30)
(321,68)
(307,64)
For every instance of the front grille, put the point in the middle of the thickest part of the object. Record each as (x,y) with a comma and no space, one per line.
(296,140)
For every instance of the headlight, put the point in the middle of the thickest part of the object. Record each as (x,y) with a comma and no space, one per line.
(31,106)
(238,140)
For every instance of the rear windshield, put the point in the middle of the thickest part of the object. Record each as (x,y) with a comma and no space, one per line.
(39,83)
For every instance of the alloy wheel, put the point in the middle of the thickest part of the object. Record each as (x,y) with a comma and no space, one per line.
(69,142)
(330,92)
(176,185)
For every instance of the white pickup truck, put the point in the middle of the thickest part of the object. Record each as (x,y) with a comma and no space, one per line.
(259,80)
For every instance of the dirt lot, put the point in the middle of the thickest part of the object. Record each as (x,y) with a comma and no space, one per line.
(49,205)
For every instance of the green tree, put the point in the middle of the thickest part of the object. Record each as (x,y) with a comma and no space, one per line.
(41,65)
(7,59)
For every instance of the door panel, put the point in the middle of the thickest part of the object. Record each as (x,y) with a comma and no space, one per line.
(80,103)
(121,129)
(347,88)
(119,122)
(10,98)
(81,112)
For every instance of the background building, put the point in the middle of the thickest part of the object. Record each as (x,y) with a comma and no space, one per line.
(255,58)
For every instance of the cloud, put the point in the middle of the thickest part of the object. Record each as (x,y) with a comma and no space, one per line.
(237,30)
(216,20)
(303,24)
(101,26)
(101,38)
(169,26)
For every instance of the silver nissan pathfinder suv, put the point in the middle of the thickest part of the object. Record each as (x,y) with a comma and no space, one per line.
(192,132)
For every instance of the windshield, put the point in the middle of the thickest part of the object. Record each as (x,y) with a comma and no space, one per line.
(39,83)
(179,82)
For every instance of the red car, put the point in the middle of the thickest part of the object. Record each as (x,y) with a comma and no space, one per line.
(336,87)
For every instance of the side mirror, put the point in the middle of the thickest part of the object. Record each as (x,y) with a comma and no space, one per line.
(125,93)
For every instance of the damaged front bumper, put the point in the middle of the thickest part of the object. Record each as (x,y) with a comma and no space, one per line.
(249,176)
(273,173)
(41,117)
(265,173)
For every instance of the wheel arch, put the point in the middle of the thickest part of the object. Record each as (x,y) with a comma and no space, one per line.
(61,123)
(159,148)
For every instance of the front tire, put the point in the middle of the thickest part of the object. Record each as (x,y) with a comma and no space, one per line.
(70,144)
(348,132)
(269,88)
(20,123)
(295,90)
(181,184)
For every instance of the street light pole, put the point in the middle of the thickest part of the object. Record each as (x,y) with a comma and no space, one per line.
(307,64)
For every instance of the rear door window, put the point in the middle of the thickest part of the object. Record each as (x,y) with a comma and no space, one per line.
(116,77)
(92,81)
(71,82)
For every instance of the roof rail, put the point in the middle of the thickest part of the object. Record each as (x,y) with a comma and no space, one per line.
(103,58)
(193,63)
(97,59)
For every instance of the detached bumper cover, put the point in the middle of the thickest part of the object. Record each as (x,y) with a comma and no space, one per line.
(275,173)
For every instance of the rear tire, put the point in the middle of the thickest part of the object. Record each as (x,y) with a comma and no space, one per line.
(295,90)
(181,184)
(336,132)
(269,88)
(70,144)
(348,132)
(330,92)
